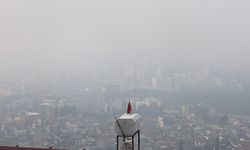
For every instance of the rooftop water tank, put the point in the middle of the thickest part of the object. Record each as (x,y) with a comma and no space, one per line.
(129,123)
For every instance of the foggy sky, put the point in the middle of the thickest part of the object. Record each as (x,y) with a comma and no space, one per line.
(81,34)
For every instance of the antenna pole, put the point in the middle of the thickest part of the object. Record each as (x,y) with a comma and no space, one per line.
(139,140)
(117,142)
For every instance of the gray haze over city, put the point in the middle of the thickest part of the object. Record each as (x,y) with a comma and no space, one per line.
(86,34)
(68,67)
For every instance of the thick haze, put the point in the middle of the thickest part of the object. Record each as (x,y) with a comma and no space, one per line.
(83,34)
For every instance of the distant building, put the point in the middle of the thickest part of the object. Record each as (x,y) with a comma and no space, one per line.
(160,122)
(154,82)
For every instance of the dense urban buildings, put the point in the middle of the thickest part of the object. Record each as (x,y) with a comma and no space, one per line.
(181,108)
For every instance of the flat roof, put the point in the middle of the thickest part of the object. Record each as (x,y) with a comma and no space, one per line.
(130,116)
